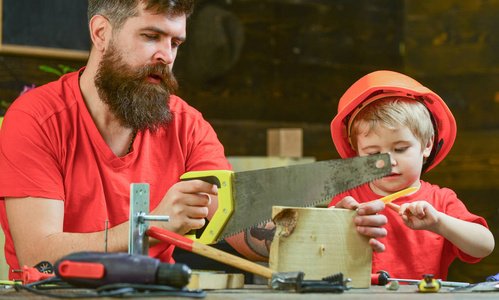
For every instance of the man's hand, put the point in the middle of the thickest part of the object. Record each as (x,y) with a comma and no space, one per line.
(187,203)
(368,221)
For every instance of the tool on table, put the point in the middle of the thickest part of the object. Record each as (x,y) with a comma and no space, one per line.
(487,286)
(278,280)
(330,284)
(493,278)
(245,199)
(95,269)
(382,278)
(429,284)
(392,286)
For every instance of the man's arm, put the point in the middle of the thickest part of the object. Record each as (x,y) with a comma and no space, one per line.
(36,224)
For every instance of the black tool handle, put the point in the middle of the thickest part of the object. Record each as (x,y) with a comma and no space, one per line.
(94,269)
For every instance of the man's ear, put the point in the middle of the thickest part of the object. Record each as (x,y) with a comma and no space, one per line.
(100,32)
(428,147)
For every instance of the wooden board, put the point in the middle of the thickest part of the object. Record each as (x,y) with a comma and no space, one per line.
(216,281)
(320,242)
(285,142)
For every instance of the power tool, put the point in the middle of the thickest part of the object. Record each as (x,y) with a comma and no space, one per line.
(95,269)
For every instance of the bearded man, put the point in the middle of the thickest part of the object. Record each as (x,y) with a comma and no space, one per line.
(70,149)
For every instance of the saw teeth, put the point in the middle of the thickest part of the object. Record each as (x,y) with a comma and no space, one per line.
(309,205)
(242,230)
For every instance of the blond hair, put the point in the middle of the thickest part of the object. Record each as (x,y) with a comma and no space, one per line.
(393,113)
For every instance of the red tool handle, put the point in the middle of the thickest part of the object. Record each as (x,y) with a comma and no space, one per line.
(78,269)
(380,278)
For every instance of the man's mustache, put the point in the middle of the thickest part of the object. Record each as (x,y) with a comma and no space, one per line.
(158,69)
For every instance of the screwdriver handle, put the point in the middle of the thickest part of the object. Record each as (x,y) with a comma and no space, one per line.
(380,278)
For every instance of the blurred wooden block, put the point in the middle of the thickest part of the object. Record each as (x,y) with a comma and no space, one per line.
(320,242)
(285,142)
(216,281)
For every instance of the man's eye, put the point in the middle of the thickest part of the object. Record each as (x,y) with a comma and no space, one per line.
(151,37)
(176,44)
(399,150)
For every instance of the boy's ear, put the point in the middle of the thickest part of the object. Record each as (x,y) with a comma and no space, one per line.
(427,148)
(100,30)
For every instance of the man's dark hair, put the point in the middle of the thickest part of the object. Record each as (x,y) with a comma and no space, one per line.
(118,11)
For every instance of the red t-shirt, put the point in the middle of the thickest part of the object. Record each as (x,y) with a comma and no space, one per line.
(410,254)
(51,148)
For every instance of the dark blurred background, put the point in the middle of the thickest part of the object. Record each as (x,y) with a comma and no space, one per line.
(251,65)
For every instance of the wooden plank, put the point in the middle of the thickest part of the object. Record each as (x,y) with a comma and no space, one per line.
(320,242)
(215,281)
(44,52)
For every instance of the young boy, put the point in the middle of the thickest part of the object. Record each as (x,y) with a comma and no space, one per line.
(386,111)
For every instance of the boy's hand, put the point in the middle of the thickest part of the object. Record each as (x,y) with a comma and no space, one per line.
(368,221)
(419,215)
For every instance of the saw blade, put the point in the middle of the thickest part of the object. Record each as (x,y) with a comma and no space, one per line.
(255,192)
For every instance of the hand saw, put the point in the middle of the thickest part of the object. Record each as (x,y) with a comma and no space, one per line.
(245,199)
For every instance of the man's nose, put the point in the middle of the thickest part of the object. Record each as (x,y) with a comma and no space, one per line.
(165,54)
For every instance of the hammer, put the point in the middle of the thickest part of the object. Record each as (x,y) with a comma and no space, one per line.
(277,279)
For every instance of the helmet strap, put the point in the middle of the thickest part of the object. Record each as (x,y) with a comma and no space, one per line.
(437,145)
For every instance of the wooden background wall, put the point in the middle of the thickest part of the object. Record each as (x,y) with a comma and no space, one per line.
(250,65)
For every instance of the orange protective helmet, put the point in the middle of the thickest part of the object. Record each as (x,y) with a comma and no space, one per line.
(391,82)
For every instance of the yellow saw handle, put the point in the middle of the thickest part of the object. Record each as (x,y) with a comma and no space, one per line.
(223,179)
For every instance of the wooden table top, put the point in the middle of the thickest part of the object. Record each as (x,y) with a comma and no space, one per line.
(263,292)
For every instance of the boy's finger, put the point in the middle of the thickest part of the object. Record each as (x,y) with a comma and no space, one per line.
(370,208)
(371,220)
(348,203)
(376,245)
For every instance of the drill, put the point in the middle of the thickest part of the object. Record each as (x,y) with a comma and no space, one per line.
(95,269)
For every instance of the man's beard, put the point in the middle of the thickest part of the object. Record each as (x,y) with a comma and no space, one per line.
(136,102)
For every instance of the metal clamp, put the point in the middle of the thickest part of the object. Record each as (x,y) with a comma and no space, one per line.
(138,241)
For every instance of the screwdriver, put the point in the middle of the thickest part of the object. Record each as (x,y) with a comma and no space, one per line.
(382,278)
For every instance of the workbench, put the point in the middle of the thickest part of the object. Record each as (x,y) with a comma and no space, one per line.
(263,292)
